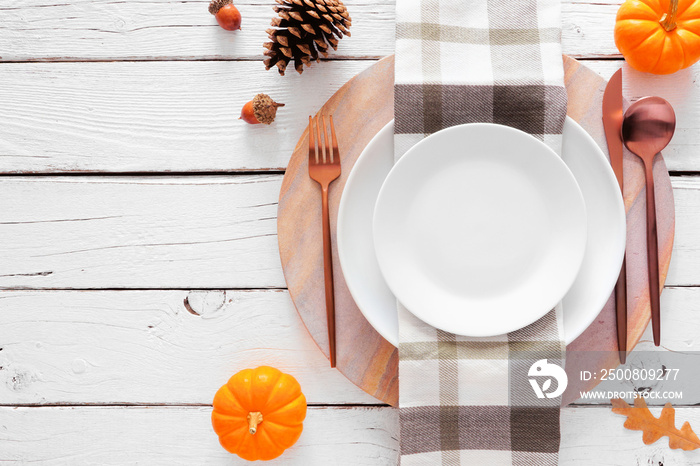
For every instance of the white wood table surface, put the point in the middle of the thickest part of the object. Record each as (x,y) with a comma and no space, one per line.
(127,186)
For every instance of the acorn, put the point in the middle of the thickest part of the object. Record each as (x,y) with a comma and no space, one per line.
(262,109)
(226,14)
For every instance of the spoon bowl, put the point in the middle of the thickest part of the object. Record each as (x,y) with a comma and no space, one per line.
(647,128)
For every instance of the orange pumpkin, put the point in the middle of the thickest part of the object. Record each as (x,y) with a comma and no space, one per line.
(659,36)
(259,413)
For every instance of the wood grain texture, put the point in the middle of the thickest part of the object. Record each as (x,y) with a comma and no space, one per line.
(149,347)
(595,436)
(87,232)
(153,347)
(302,262)
(155,116)
(183,116)
(351,436)
(186,232)
(360,108)
(183,30)
(166,30)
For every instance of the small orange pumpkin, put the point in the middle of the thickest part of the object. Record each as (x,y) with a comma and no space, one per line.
(259,413)
(659,36)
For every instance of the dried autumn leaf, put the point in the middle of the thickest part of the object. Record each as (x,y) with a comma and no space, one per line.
(640,418)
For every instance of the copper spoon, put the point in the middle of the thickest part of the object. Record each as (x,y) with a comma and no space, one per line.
(647,128)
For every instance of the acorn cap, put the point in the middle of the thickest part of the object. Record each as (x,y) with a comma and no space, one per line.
(265,109)
(216,5)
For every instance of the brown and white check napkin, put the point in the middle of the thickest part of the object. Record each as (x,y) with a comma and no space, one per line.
(466,400)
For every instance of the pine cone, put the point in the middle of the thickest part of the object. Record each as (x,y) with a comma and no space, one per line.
(303,31)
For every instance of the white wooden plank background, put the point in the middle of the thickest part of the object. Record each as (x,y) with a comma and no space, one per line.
(154,116)
(351,436)
(95,269)
(136,232)
(184,30)
(183,116)
(183,436)
(145,347)
(185,232)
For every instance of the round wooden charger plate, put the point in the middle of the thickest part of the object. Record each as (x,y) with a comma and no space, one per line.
(362,107)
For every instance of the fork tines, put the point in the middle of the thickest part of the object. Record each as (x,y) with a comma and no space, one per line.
(322,151)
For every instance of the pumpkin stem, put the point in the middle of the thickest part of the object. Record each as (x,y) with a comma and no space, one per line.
(668,20)
(253,420)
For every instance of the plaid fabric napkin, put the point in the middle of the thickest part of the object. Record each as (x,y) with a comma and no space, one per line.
(467,400)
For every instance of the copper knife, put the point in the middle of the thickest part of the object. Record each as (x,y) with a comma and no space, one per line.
(612,122)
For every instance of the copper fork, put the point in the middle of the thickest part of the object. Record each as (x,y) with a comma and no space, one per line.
(324,168)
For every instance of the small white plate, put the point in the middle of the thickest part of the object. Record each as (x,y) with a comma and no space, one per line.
(593,285)
(480,229)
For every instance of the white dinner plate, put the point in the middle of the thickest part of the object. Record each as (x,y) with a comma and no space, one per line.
(592,286)
(480,229)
